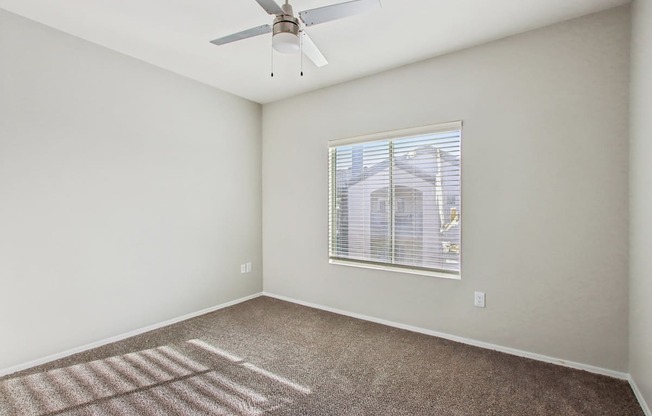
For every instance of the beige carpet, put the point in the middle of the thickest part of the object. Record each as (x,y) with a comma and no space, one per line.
(268,357)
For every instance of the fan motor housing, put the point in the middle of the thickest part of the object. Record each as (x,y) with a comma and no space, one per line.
(286,24)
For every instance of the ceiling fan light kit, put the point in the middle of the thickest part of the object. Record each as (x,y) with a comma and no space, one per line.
(286,42)
(288,36)
(285,37)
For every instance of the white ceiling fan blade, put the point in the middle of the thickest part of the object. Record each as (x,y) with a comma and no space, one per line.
(337,11)
(311,51)
(249,33)
(270,6)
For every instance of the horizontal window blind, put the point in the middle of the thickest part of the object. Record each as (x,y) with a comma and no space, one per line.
(397,201)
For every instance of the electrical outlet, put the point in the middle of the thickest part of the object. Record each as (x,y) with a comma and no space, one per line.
(479,299)
(245,267)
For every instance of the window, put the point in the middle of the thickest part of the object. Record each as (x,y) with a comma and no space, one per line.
(395,200)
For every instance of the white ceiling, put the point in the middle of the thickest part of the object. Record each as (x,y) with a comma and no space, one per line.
(175,35)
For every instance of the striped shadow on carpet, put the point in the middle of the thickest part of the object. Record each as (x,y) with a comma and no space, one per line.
(269,357)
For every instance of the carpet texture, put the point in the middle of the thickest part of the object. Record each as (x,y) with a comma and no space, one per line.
(269,357)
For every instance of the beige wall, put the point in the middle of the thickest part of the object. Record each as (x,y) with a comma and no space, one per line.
(128,195)
(115,212)
(545,155)
(641,200)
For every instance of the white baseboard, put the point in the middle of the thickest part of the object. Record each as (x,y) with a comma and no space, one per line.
(49,358)
(481,344)
(639,396)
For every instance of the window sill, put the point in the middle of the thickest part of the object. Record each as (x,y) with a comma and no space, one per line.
(396,269)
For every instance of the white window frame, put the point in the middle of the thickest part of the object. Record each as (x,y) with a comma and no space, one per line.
(385,136)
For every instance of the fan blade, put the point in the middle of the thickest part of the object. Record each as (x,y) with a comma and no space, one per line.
(337,11)
(311,51)
(270,6)
(249,33)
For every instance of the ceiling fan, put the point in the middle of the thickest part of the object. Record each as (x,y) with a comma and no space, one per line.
(288,35)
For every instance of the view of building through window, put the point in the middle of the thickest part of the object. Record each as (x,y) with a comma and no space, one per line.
(398,202)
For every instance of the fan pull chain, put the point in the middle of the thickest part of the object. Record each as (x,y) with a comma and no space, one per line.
(272,60)
(301,50)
